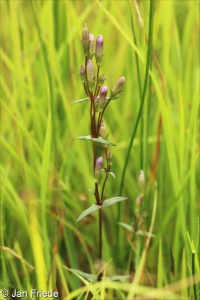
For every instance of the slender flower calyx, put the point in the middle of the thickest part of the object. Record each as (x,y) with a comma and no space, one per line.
(102,95)
(102,130)
(109,156)
(117,87)
(83,74)
(101,80)
(90,72)
(99,49)
(91,45)
(98,165)
(85,40)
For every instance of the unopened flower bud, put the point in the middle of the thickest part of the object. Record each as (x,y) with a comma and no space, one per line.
(98,165)
(141,180)
(82,74)
(102,95)
(101,80)
(139,200)
(91,45)
(90,72)
(109,156)
(102,130)
(137,210)
(117,87)
(99,49)
(85,40)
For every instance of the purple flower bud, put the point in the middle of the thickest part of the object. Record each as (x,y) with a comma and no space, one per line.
(99,49)
(85,40)
(99,161)
(102,130)
(98,165)
(82,74)
(91,45)
(102,94)
(90,72)
(117,87)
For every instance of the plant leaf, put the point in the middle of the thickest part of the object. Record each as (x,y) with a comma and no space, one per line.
(81,100)
(102,141)
(126,226)
(88,276)
(139,232)
(95,207)
(96,140)
(88,211)
(112,174)
(114,200)
(93,278)
(85,138)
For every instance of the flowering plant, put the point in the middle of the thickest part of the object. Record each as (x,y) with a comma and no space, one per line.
(97,93)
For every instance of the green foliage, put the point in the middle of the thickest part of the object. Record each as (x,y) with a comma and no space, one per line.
(99,140)
(44,175)
(95,207)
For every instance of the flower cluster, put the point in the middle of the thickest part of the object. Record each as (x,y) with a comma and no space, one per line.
(93,81)
(97,92)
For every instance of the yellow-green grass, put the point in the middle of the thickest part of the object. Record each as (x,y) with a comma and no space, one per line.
(45,174)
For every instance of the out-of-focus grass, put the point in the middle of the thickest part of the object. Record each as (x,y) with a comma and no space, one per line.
(45,174)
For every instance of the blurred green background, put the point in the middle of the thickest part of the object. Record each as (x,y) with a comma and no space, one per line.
(45,174)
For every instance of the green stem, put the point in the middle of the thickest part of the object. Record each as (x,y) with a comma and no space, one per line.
(105,180)
(97,194)
(140,92)
(103,187)
(193,273)
(100,241)
(94,119)
(139,113)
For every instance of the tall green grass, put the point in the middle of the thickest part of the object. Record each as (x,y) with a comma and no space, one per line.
(45,174)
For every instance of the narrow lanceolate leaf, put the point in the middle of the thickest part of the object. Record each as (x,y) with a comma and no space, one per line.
(102,141)
(88,276)
(88,211)
(93,278)
(95,207)
(126,226)
(139,232)
(114,200)
(85,138)
(81,100)
(96,140)
(112,174)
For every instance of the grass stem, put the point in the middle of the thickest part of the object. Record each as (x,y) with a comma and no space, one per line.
(148,59)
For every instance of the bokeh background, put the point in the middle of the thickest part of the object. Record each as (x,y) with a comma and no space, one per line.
(46,174)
